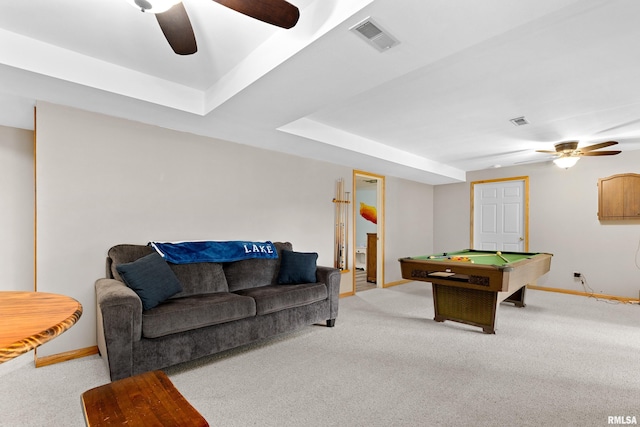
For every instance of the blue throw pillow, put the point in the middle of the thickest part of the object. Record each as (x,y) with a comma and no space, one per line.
(151,278)
(297,267)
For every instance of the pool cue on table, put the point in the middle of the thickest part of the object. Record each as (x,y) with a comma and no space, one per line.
(472,255)
(500,255)
(459,256)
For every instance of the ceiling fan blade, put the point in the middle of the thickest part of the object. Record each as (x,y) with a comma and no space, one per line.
(275,12)
(176,26)
(546,152)
(597,146)
(601,153)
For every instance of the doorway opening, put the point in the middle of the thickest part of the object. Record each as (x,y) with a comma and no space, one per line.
(368,231)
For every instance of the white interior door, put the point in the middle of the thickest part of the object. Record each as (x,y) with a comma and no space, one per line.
(499,216)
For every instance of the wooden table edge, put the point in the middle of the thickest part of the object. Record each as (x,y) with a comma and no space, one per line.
(25,345)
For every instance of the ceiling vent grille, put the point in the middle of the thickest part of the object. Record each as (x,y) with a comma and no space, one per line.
(375,35)
(519,121)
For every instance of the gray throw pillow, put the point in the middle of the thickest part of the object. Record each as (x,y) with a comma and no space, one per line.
(297,267)
(151,278)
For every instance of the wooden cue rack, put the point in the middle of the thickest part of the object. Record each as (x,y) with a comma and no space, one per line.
(341,235)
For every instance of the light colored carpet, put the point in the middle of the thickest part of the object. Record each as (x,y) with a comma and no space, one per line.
(561,361)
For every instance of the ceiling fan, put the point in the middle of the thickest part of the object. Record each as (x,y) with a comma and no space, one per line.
(176,26)
(568,152)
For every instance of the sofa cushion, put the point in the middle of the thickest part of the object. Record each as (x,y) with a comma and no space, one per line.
(182,314)
(297,267)
(151,278)
(123,254)
(250,273)
(277,297)
(200,278)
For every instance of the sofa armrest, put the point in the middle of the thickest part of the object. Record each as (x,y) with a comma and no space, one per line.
(119,311)
(331,278)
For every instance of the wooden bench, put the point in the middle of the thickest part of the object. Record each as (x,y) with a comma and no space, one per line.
(148,399)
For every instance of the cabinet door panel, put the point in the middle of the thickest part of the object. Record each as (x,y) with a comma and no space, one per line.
(632,196)
(611,198)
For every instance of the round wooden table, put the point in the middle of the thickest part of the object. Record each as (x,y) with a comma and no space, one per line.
(29,319)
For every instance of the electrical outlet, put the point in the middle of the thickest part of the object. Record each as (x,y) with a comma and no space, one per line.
(577,275)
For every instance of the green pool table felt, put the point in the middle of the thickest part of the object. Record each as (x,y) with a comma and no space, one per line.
(478,257)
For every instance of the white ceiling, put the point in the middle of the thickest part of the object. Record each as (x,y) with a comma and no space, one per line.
(430,109)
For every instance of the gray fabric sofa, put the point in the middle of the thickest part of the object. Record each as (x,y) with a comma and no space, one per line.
(221,306)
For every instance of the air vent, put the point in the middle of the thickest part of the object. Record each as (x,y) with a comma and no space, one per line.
(519,121)
(375,35)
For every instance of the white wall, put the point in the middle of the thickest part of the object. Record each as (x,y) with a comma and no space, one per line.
(563,221)
(409,223)
(104,181)
(16,209)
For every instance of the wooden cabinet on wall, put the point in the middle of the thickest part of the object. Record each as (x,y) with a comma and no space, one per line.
(372,257)
(619,197)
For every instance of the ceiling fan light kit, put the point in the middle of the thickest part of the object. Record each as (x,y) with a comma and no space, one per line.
(566,162)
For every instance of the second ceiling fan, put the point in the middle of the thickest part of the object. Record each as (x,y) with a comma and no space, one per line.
(568,153)
(176,26)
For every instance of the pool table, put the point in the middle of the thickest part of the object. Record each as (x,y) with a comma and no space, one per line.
(469,284)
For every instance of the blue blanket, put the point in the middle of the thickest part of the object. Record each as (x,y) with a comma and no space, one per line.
(208,251)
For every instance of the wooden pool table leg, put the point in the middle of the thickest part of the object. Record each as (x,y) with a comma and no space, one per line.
(517,298)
